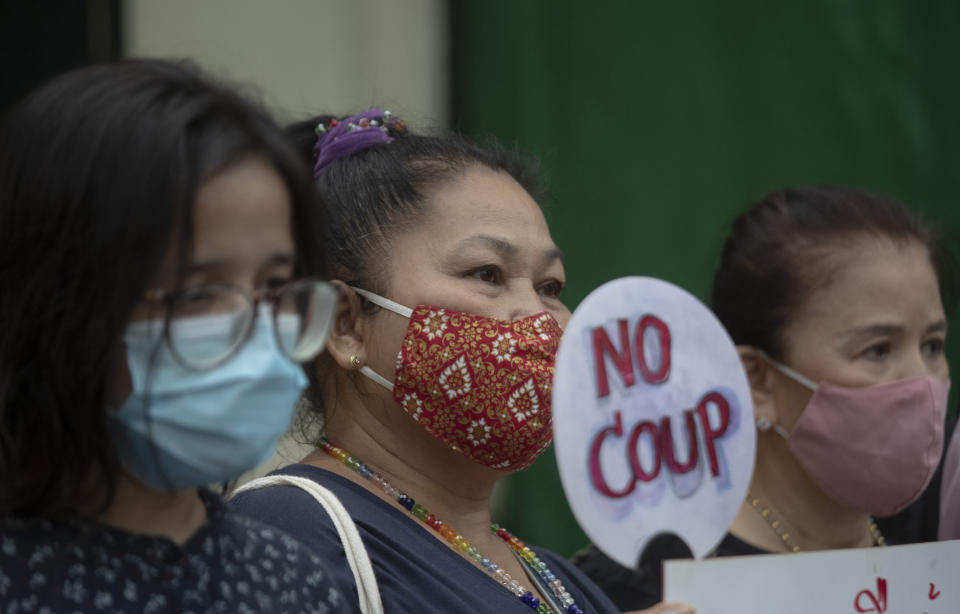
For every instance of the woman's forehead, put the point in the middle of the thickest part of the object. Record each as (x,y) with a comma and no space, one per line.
(873,283)
(483,206)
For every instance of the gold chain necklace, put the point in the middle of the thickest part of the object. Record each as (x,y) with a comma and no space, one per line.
(778,528)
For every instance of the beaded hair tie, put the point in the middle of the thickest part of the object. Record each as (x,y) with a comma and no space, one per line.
(342,138)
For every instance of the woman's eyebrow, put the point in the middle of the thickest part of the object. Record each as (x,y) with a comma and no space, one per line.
(501,246)
(873,330)
(219,264)
(278,259)
(504,247)
(204,266)
(878,330)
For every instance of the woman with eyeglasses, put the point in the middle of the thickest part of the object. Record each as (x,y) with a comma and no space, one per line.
(157,243)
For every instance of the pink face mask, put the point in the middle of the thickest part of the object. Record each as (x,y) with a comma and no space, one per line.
(873,448)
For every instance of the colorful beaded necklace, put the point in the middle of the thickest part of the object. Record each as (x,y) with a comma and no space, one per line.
(535,566)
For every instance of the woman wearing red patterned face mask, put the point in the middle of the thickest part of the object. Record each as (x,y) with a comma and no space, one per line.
(436,382)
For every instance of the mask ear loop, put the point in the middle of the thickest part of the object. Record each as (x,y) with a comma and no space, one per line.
(803,380)
(386,303)
(377,377)
(389,305)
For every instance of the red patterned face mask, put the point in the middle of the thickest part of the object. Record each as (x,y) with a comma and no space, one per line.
(480,385)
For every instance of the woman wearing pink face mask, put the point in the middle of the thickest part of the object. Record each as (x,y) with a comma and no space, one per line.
(436,382)
(833,298)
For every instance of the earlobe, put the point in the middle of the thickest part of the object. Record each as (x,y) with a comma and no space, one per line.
(760,375)
(345,344)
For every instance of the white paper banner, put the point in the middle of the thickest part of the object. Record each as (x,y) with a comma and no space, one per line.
(653,422)
(915,579)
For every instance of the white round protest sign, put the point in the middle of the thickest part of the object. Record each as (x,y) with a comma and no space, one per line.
(653,422)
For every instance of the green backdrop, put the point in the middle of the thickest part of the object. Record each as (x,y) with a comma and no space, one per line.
(657,122)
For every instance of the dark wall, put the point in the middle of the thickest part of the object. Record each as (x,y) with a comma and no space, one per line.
(42,38)
(657,122)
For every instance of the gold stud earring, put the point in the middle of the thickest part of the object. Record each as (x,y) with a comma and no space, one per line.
(356,362)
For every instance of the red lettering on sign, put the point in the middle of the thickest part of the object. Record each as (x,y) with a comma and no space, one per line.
(602,346)
(932,594)
(663,336)
(709,434)
(879,600)
(666,443)
(623,359)
(638,471)
(596,471)
(662,445)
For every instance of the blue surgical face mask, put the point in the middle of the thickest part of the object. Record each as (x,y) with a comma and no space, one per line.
(183,428)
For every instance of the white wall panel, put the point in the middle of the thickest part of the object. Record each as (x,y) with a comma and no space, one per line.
(306,56)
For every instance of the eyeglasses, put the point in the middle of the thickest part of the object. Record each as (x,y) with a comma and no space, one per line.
(208,325)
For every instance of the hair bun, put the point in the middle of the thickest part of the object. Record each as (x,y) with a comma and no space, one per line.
(339,139)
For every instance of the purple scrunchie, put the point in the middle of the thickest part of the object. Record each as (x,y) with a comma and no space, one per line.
(339,142)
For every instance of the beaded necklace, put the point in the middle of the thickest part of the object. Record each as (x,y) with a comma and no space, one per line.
(777,526)
(535,567)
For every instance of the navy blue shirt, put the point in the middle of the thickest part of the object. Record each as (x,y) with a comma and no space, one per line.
(415,571)
(231,564)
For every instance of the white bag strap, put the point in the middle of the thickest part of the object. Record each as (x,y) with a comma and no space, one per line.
(367,591)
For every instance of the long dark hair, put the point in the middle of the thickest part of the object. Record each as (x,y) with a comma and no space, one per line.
(98,173)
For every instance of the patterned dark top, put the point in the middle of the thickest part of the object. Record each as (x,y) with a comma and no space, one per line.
(231,564)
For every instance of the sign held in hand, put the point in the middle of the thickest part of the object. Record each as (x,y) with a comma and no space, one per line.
(653,423)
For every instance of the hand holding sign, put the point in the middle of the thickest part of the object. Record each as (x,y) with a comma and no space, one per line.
(652,419)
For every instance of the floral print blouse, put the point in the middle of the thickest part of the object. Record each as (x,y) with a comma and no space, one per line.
(231,564)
